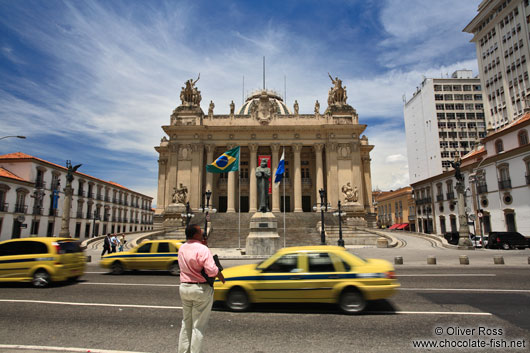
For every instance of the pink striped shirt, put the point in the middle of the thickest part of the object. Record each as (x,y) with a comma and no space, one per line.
(193,257)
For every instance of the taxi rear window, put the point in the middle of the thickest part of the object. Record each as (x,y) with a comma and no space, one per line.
(25,247)
(69,247)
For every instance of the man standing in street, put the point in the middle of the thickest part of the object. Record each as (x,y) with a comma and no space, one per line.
(195,292)
(113,243)
(106,245)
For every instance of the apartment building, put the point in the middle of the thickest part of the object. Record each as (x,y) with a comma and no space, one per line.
(443,119)
(501,35)
(32,198)
(395,207)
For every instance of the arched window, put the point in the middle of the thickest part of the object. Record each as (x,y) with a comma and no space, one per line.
(499,147)
(523,137)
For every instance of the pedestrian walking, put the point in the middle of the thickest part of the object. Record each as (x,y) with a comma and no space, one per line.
(195,292)
(122,242)
(106,245)
(113,243)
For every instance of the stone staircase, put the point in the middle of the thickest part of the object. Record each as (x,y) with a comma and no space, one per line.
(302,229)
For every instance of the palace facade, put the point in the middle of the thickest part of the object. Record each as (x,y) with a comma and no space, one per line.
(323,150)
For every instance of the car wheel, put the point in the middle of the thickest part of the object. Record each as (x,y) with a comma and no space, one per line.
(174,268)
(351,301)
(117,268)
(237,300)
(506,246)
(41,279)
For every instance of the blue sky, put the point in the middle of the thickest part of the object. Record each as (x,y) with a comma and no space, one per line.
(93,81)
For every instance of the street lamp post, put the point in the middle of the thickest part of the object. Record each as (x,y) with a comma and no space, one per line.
(207,210)
(339,213)
(323,207)
(188,215)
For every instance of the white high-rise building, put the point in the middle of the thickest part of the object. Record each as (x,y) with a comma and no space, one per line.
(500,33)
(444,118)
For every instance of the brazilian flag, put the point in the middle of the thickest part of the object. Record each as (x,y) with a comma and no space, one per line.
(227,162)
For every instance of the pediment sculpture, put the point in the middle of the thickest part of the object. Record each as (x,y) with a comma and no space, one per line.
(351,195)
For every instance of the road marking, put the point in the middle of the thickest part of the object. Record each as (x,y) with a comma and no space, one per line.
(468,290)
(62,349)
(430,313)
(115,305)
(180,308)
(96,272)
(130,284)
(449,275)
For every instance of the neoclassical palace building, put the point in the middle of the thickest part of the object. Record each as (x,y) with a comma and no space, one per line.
(323,150)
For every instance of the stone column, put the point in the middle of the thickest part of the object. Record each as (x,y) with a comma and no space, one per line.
(275,148)
(357,168)
(319,170)
(368,184)
(65,221)
(332,166)
(196,177)
(231,192)
(209,160)
(162,163)
(253,192)
(297,149)
(171,173)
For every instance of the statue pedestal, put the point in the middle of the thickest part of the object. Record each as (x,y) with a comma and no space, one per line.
(263,238)
(172,215)
(355,214)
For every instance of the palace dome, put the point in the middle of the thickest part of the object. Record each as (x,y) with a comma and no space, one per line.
(274,98)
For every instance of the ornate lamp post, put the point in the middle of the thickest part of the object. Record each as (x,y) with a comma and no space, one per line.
(207,210)
(65,222)
(323,207)
(188,215)
(339,214)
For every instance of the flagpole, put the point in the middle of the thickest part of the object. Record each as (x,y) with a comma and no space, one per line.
(239,199)
(284,233)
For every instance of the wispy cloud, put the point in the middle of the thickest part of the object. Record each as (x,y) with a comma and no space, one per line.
(99,78)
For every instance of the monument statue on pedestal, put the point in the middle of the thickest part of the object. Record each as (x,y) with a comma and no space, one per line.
(190,95)
(263,173)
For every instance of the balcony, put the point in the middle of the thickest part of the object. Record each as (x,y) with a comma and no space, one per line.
(450,195)
(79,214)
(40,184)
(90,195)
(99,197)
(55,185)
(125,203)
(4,207)
(106,218)
(114,200)
(482,188)
(21,208)
(505,184)
(117,219)
(53,212)
(440,197)
(107,198)
(37,210)
(125,220)
(80,192)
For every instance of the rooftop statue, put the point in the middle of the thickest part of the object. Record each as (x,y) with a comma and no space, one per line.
(190,95)
(456,165)
(337,94)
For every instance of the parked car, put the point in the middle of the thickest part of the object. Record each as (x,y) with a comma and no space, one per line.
(311,274)
(149,255)
(41,260)
(477,240)
(452,237)
(507,240)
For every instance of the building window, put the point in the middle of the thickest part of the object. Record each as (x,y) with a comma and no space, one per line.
(509,216)
(499,147)
(523,137)
(20,205)
(504,177)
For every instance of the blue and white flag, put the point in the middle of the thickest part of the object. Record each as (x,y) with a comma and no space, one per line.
(278,176)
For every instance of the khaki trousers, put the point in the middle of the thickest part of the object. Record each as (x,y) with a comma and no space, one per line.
(197,300)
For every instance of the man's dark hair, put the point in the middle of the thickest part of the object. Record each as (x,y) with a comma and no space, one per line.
(191,230)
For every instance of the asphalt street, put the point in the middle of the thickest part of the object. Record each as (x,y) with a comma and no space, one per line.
(140,312)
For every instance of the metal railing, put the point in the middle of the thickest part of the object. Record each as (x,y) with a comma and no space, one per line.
(450,195)
(53,212)
(440,197)
(4,206)
(482,188)
(37,210)
(80,192)
(21,208)
(505,184)
(40,184)
(79,214)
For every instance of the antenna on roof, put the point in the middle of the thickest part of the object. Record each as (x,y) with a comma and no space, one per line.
(264,72)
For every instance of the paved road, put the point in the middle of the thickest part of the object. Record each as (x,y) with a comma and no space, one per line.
(140,312)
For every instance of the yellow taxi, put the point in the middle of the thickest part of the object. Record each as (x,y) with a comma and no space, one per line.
(312,274)
(41,260)
(149,255)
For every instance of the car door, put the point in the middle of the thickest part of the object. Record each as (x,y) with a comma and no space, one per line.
(163,255)
(142,259)
(324,271)
(280,280)
(17,258)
